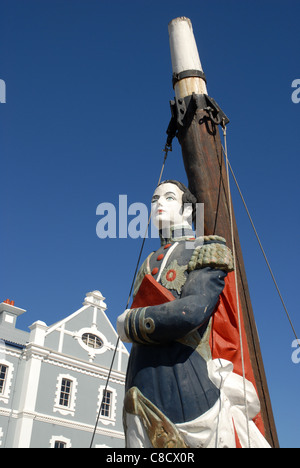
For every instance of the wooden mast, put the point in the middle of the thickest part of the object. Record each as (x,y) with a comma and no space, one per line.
(195,120)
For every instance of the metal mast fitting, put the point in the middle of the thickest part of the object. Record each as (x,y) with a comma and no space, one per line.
(195,120)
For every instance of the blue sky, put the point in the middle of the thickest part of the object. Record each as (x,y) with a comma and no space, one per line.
(88,85)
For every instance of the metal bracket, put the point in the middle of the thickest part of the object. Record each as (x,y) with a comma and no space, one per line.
(172,128)
(187,74)
(183,109)
(215,112)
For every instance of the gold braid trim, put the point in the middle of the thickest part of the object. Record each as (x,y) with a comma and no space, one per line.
(161,431)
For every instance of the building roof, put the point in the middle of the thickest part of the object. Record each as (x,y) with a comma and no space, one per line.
(14,336)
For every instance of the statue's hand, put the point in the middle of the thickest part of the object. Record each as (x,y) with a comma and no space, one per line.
(121,327)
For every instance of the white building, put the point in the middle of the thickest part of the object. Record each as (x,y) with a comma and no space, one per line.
(52,380)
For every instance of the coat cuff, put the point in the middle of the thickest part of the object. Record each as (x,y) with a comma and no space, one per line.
(138,327)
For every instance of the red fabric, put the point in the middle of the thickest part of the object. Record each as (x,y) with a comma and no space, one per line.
(225,337)
(151,293)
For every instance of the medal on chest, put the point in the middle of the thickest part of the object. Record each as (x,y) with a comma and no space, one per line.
(173,276)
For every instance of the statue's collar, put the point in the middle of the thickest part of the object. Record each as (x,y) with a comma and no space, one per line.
(175,234)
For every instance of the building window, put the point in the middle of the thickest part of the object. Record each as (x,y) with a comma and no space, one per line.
(106,404)
(65,396)
(6,373)
(92,341)
(108,401)
(3,374)
(65,392)
(60,442)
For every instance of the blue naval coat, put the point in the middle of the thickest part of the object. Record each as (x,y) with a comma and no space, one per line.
(169,372)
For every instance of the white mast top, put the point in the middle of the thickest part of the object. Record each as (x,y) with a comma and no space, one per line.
(184,55)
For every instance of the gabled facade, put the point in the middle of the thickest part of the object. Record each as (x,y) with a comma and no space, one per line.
(52,380)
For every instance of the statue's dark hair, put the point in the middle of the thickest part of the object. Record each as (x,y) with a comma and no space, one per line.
(187,196)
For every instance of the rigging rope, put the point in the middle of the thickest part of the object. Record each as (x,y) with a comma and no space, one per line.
(263,252)
(236,285)
(167,148)
(228,167)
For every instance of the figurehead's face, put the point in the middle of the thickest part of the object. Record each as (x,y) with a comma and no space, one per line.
(166,207)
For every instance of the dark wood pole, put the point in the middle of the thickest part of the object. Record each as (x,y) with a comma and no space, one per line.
(199,137)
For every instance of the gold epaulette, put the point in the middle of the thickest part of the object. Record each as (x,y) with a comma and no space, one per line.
(211,251)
